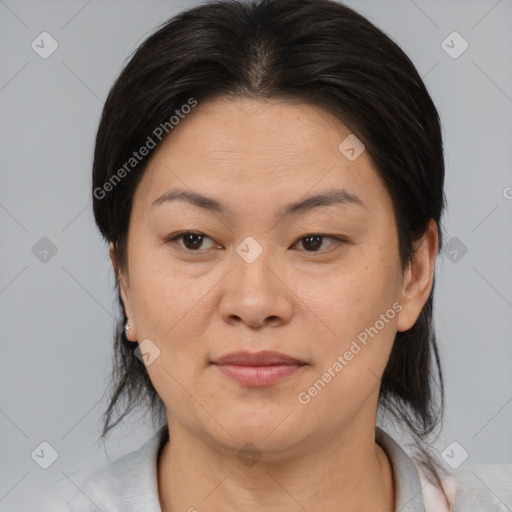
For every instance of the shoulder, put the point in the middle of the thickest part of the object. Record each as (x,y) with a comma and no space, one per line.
(483,488)
(107,488)
(479,488)
(127,484)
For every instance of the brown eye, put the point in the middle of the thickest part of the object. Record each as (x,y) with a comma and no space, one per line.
(313,242)
(191,240)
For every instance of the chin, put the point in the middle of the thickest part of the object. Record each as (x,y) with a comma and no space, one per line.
(268,429)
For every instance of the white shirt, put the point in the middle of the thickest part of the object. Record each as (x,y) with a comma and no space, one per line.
(129,484)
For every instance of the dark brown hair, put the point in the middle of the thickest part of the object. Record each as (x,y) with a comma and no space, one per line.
(319,52)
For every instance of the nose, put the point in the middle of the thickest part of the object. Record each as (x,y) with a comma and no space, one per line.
(256,294)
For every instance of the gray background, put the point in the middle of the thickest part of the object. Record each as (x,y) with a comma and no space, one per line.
(57,317)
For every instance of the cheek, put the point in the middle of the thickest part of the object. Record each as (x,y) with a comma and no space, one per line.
(349,366)
(345,301)
(358,311)
(168,302)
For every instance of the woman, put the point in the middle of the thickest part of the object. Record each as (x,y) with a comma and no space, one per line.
(269,176)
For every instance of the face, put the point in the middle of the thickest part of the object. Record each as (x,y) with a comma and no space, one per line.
(319,283)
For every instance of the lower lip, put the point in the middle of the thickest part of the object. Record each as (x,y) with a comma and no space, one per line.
(258,375)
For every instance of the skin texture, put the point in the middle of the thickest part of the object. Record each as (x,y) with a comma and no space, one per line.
(304,300)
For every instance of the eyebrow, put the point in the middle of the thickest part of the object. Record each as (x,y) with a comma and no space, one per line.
(334,196)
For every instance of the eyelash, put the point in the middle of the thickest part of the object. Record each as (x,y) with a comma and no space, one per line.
(173,238)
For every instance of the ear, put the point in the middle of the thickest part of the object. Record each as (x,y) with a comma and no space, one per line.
(418,278)
(123,288)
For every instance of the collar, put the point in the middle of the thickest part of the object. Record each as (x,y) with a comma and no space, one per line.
(408,484)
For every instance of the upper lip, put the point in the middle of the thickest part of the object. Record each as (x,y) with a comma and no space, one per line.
(263,358)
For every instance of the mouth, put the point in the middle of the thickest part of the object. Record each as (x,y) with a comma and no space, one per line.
(255,369)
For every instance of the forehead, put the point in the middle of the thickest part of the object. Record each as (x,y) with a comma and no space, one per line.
(231,130)
(258,150)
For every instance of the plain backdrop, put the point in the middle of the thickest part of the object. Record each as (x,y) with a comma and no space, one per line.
(57,308)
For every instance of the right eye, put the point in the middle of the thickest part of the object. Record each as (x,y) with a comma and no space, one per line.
(192,240)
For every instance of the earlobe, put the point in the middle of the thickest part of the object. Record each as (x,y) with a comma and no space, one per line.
(123,292)
(418,278)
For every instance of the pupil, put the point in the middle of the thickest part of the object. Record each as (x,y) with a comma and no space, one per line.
(316,239)
(195,240)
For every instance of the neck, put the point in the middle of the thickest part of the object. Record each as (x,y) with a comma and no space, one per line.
(348,474)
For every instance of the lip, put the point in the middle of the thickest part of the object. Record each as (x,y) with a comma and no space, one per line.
(258,368)
(263,358)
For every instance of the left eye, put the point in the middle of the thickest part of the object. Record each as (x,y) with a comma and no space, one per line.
(193,240)
(314,241)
